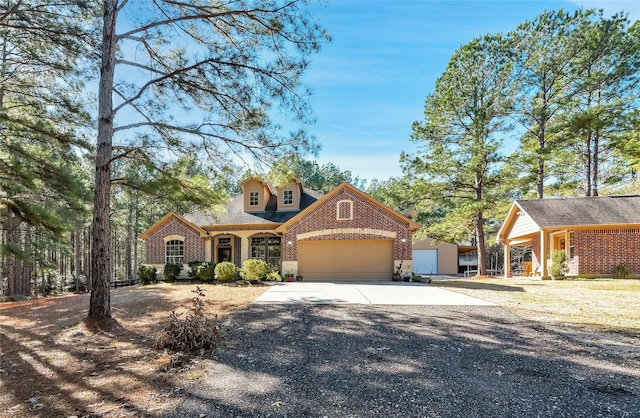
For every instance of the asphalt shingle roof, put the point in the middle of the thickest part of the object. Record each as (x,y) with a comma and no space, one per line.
(233,212)
(610,210)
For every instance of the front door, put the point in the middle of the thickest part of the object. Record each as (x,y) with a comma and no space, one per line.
(224,254)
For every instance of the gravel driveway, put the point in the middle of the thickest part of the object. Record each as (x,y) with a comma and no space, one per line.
(409,361)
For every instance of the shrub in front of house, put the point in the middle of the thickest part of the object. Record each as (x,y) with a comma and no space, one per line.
(254,270)
(558,264)
(225,271)
(274,276)
(171,272)
(622,271)
(194,332)
(147,274)
(193,269)
(206,271)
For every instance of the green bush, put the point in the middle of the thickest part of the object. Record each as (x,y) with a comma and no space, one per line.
(206,271)
(622,271)
(147,274)
(171,272)
(193,269)
(254,270)
(274,276)
(558,263)
(225,271)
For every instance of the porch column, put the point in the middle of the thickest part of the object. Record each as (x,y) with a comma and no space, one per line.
(207,249)
(543,255)
(507,259)
(244,250)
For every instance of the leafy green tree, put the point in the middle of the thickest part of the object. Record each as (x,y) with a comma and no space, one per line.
(321,178)
(458,164)
(395,192)
(210,99)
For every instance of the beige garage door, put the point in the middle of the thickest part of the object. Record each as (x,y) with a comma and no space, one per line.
(346,260)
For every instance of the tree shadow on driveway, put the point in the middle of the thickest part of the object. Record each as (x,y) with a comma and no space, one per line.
(355,361)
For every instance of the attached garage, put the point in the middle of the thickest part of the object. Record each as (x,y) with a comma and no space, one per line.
(425,261)
(329,260)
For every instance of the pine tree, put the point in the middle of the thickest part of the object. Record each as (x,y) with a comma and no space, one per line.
(211,98)
(458,165)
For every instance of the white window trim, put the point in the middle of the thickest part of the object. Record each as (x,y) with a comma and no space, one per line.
(173,238)
(257,194)
(283,196)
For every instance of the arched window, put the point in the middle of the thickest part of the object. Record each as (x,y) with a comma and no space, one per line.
(175,252)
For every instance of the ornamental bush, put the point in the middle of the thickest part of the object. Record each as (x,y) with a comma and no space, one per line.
(225,271)
(274,276)
(147,274)
(171,272)
(193,269)
(206,271)
(254,270)
(558,263)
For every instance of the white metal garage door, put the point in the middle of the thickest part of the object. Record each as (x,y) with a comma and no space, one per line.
(346,259)
(425,261)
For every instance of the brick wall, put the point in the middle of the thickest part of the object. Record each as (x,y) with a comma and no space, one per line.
(365,215)
(600,251)
(536,259)
(193,244)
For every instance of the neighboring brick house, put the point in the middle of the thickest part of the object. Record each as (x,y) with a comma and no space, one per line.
(343,235)
(597,233)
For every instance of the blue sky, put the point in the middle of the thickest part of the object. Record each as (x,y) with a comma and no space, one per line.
(369,84)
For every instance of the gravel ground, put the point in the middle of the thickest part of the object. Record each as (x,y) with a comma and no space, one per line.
(410,361)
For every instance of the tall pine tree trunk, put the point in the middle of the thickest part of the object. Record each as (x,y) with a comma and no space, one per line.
(128,263)
(100,301)
(18,286)
(587,162)
(596,152)
(541,162)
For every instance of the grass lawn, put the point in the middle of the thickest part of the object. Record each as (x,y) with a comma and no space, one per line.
(610,305)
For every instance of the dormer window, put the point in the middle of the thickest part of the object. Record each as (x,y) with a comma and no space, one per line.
(253,199)
(287,197)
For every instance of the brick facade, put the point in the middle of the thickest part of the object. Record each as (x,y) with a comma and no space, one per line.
(599,251)
(193,244)
(536,260)
(367,217)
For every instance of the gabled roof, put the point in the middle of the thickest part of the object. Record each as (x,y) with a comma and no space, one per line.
(411,224)
(233,212)
(166,218)
(582,211)
(572,212)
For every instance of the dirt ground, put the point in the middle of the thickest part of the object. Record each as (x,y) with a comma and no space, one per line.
(52,364)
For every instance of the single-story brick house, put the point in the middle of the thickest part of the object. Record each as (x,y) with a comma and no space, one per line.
(597,233)
(343,235)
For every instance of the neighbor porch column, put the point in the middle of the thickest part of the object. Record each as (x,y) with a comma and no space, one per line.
(543,254)
(507,259)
